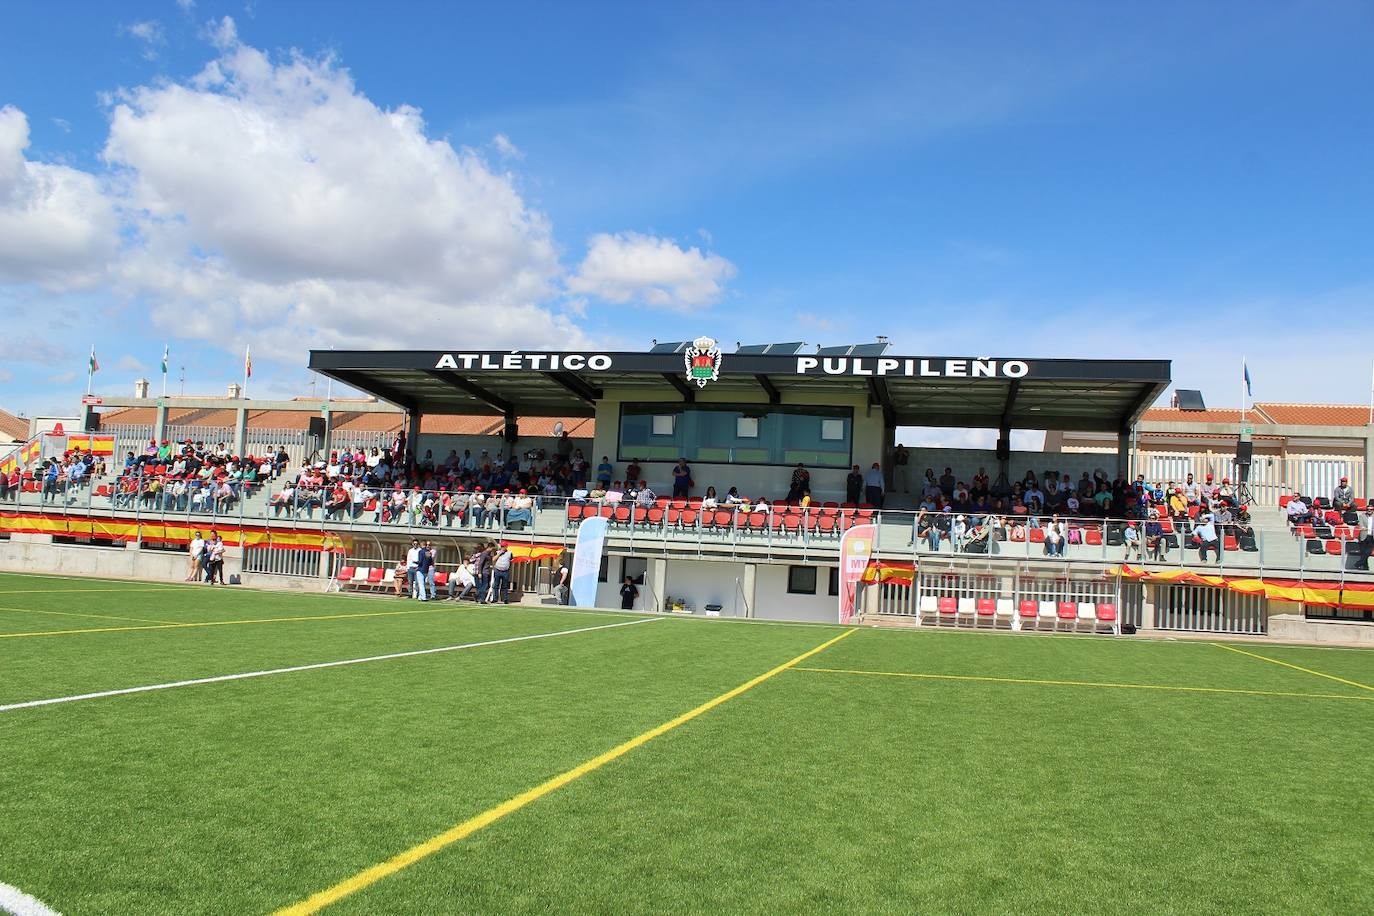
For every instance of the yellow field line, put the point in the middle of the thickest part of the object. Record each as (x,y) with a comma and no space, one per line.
(1022,680)
(34,610)
(1265,658)
(370,876)
(227,623)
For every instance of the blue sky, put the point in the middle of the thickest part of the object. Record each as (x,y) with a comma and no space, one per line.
(1183,181)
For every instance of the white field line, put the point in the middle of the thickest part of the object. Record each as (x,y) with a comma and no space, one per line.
(316,666)
(18,903)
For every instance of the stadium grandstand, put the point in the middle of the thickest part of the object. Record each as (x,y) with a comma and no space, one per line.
(1136,516)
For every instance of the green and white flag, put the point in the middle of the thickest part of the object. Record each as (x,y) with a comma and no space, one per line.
(166,351)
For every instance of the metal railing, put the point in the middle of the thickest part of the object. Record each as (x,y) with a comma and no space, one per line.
(807,533)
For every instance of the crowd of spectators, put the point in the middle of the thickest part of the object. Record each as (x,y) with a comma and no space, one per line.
(59,478)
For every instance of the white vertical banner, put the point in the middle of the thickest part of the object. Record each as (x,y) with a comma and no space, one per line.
(856,548)
(586,568)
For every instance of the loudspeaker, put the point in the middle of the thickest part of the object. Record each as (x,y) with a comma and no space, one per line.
(1003,449)
(512,432)
(317,427)
(92,421)
(1245,451)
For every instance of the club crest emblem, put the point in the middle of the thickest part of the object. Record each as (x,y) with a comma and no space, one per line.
(703,361)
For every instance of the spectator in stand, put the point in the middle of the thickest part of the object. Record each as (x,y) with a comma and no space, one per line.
(958,533)
(1131,538)
(853,484)
(1297,511)
(947,482)
(1154,537)
(1192,491)
(605,471)
(1055,537)
(1206,534)
(710,500)
(682,479)
(1178,504)
(632,472)
(645,497)
(1366,539)
(980,483)
(873,486)
(901,480)
(1343,498)
(800,485)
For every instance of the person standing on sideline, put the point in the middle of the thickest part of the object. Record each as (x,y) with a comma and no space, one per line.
(901,483)
(682,479)
(428,547)
(500,572)
(873,486)
(628,594)
(563,588)
(197,552)
(214,565)
(412,564)
(482,570)
(424,568)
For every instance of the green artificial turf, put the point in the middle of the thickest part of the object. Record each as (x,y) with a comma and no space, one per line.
(814,791)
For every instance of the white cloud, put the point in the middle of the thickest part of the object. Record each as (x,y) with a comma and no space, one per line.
(186,5)
(130,363)
(148,32)
(630,267)
(6,375)
(276,203)
(56,226)
(62,378)
(507,149)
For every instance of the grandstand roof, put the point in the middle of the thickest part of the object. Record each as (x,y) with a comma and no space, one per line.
(911,391)
(12,427)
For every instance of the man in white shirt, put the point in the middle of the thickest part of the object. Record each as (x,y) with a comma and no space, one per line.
(1296,509)
(412,569)
(500,575)
(1206,532)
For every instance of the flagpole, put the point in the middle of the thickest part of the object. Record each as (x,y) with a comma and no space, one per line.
(165,354)
(90,370)
(247,361)
(1243,369)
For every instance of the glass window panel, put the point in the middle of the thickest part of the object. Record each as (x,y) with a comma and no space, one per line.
(737,434)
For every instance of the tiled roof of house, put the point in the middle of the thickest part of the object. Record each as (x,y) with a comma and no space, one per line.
(12,427)
(346,421)
(1263,413)
(1219,415)
(1316,414)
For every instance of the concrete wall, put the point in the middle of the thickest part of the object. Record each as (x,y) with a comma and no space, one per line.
(441,444)
(37,553)
(772,602)
(967,461)
(753,480)
(703,582)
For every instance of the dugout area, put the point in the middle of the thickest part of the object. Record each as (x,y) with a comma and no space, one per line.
(678,765)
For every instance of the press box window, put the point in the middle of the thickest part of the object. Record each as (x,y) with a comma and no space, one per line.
(834,581)
(801,580)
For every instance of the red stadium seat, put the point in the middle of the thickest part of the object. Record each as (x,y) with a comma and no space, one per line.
(985,607)
(345,573)
(1106,612)
(1230,543)
(687,518)
(826,524)
(440,580)
(1092,536)
(656,516)
(1028,609)
(1037,535)
(1068,610)
(758,521)
(575,512)
(374,577)
(1284,501)
(947,606)
(1334,548)
(622,515)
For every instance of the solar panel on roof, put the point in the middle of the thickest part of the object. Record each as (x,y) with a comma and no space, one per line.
(1189,399)
(869,349)
(772,349)
(671,347)
(834,351)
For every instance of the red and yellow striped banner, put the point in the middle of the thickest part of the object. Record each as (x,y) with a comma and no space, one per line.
(1354,595)
(171,532)
(533,553)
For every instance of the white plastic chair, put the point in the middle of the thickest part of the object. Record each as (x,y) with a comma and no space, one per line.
(1087,615)
(1049,614)
(359,579)
(967,611)
(927,608)
(1006,612)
